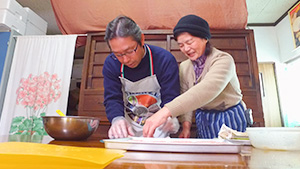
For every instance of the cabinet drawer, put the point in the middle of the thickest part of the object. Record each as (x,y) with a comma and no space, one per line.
(101,115)
(93,103)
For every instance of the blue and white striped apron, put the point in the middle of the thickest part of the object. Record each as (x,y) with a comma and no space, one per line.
(209,122)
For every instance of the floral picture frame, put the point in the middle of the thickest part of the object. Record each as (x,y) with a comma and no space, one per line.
(294,15)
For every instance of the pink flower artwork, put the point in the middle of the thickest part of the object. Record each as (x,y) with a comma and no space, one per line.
(35,93)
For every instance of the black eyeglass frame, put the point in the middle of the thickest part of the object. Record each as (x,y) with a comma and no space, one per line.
(129,53)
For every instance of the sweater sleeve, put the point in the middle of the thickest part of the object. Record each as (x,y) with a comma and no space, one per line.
(221,71)
(184,86)
(113,96)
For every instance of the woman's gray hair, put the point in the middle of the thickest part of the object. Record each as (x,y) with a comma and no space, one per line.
(208,48)
(123,26)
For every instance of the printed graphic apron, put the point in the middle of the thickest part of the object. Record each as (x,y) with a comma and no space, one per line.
(141,99)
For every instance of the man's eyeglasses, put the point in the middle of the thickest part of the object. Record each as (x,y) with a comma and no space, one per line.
(128,53)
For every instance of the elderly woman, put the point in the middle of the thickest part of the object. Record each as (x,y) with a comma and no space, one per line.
(209,85)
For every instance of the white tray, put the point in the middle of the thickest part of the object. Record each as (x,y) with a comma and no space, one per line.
(173,145)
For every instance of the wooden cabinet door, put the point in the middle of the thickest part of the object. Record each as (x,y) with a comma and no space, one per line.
(240,44)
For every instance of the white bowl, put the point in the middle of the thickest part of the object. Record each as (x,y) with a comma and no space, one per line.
(274,159)
(275,138)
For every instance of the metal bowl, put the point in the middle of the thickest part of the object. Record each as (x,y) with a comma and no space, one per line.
(70,127)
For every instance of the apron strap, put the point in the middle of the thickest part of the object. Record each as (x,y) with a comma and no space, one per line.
(151,60)
(151,63)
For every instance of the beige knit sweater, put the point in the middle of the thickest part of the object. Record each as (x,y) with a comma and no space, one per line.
(217,87)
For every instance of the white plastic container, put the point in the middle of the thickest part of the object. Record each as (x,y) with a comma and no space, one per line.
(35,20)
(272,159)
(275,138)
(8,21)
(15,8)
(33,30)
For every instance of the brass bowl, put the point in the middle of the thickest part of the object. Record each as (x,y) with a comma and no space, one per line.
(70,127)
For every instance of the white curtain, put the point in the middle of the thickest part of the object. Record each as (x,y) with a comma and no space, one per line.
(38,84)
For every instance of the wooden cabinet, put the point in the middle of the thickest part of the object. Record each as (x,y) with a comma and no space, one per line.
(239,43)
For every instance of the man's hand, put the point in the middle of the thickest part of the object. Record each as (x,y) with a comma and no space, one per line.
(155,121)
(120,128)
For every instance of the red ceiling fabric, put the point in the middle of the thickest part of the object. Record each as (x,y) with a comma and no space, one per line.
(80,17)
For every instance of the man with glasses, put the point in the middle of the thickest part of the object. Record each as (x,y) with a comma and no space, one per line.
(138,80)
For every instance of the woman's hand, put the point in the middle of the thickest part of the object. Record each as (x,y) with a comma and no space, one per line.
(186,130)
(157,119)
(170,126)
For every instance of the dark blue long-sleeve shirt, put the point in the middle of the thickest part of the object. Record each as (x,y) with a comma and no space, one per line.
(165,68)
